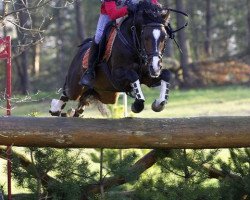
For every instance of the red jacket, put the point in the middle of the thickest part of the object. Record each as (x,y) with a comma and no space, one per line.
(109,8)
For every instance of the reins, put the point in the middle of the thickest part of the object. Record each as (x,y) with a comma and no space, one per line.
(138,45)
(172,32)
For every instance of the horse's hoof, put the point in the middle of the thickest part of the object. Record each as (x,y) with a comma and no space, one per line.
(137,106)
(158,107)
(55,114)
(79,115)
(64,115)
(76,114)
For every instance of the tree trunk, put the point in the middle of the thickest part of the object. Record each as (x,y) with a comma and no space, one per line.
(4,12)
(36,51)
(193,133)
(24,75)
(208,49)
(182,38)
(169,45)
(79,17)
(36,59)
(195,31)
(187,175)
(60,43)
(248,23)
(23,18)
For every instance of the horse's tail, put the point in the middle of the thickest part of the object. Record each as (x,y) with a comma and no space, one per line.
(102,108)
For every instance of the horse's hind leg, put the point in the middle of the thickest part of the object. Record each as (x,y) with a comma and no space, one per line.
(79,111)
(57,106)
(83,101)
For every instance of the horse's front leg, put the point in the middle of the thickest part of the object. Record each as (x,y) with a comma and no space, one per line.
(130,76)
(138,104)
(159,104)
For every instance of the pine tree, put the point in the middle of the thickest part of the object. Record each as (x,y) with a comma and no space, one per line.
(237,186)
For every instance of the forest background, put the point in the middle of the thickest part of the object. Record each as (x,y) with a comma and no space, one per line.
(216,57)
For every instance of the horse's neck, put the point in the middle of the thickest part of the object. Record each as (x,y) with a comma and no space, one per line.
(126,28)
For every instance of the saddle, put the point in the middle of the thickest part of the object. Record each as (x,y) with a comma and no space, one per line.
(105,45)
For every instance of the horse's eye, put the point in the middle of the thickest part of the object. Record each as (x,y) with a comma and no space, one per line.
(164,34)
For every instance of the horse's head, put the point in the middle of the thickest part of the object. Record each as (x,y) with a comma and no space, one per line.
(150,21)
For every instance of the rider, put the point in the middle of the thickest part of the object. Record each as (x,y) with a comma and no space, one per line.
(109,11)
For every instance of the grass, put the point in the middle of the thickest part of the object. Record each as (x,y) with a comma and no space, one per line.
(219,101)
(205,102)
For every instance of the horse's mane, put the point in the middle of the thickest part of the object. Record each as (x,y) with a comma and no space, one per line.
(151,12)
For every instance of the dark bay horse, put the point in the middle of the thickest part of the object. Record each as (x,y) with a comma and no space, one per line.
(136,59)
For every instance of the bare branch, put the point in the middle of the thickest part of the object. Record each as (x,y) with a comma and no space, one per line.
(27,8)
(26,29)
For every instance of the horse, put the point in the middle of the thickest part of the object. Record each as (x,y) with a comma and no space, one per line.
(136,58)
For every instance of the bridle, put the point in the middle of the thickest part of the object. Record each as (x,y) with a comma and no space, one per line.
(138,45)
(148,56)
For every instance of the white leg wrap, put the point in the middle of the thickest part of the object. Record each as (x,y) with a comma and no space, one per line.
(56,105)
(137,90)
(164,90)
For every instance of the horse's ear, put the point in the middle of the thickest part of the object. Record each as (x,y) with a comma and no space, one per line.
(165,14)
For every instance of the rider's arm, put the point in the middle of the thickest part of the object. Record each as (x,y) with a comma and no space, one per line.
(112,11)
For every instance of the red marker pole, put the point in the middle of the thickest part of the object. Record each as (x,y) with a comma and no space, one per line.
(6,54)
(8,75)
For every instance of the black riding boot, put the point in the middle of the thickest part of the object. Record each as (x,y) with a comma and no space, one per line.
(89,76)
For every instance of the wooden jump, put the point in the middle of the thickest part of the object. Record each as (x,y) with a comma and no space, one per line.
(191,133)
